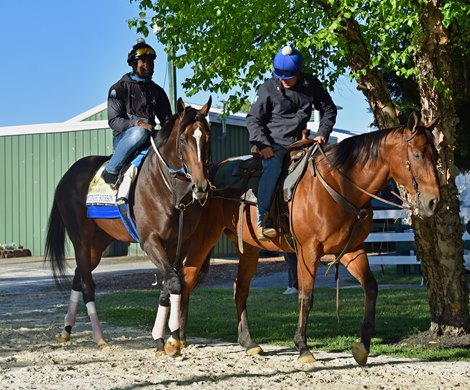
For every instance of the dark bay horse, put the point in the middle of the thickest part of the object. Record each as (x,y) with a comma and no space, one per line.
(320,225)
(172,178)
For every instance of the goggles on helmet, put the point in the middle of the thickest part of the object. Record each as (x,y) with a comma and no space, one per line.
(144,51)
(280,73)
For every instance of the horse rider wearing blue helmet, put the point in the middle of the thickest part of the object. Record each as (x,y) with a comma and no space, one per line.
(281,110)
(133,103)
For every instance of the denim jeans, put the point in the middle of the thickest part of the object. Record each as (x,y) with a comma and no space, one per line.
(291,261)
(125,145)
(272,168)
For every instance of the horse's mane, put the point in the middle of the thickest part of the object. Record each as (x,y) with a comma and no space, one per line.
(362,148)
(190,115)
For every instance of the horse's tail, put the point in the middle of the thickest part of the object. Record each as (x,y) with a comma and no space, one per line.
(202,275)
(54,250)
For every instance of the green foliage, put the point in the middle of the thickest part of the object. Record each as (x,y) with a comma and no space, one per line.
(273,318)
(230,43)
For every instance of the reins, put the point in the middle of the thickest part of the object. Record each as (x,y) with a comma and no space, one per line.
(177,197)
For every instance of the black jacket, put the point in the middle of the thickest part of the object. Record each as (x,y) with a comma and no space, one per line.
(130,101)
(279,115)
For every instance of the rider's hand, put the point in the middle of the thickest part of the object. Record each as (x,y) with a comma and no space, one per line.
(146,126)
(319,139)
(267,152)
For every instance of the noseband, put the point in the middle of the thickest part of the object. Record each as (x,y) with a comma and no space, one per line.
(184,167)
(408,163)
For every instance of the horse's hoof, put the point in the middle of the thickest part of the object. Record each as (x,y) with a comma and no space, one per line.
(102,344)
(184,344)
(159,354)
(307,358)
(360,353)
(254,351)
(63,337)
(173,347)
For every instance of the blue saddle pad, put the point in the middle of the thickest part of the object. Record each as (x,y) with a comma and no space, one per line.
(114,211)
(108,211)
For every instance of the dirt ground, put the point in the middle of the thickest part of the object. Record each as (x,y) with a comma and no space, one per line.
(30,358)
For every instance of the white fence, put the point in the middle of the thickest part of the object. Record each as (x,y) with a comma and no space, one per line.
(406,236)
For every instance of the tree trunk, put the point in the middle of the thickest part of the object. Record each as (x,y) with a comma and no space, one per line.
(371,84)
(439,243)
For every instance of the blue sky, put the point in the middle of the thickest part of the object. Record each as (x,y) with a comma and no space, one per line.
(59,59)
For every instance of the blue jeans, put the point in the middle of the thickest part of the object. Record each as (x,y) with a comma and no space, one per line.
(125,145)
(272,168)
(291,261)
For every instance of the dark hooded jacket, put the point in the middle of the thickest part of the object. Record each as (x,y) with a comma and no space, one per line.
(130,101)
(279,114)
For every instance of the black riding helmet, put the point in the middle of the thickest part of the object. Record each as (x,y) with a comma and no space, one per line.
(139,50)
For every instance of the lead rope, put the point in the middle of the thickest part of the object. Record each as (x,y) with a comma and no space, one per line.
(337,295)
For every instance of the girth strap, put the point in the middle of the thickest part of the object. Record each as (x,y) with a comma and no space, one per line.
(361,214)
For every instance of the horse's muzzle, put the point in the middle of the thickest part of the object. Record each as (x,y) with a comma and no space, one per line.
(427,204)
(200,192)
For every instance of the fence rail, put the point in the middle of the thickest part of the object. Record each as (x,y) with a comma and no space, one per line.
(405,236)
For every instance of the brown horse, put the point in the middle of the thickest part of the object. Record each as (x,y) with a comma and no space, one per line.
(320,225)
(162,202)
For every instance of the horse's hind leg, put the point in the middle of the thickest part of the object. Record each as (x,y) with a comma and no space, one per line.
(241,288)
(71,316)
(358,265)
(86,286)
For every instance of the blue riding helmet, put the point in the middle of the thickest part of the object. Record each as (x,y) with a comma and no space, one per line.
(287,63)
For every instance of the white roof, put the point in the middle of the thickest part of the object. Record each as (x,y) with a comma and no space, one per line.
(78,123)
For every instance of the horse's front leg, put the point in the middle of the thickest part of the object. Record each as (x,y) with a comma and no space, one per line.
(306,272)
(358,265)
(173,344)
(158,331)
(170,300)
(241,288)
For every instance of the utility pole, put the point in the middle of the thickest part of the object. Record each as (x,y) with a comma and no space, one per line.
(171,70)
(172,79)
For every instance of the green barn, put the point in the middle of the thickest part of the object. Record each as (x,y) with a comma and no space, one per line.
(33,158)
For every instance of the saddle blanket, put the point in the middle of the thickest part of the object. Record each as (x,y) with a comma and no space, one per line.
(100,193)
(101,203)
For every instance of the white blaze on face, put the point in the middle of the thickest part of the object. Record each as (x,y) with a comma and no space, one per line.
(197,135)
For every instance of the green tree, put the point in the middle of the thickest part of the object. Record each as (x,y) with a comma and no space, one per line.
(230,43)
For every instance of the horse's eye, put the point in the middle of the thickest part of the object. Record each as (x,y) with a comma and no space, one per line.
(183,139)
(416,155)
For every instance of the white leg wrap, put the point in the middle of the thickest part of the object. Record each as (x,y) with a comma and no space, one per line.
(95,323)
(175,304)
(91,308)
(158,331)
(71,315)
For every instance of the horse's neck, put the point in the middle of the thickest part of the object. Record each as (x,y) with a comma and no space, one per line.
(358,181)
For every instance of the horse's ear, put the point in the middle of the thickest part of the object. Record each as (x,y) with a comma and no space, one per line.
(431,125)
(180,106)
(412,121)
(205,109)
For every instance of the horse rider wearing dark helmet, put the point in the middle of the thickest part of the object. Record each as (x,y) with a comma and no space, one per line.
(281,110)
(133,103)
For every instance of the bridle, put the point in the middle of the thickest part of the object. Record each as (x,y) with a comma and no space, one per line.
(414,182)
(185,183)
(361,214)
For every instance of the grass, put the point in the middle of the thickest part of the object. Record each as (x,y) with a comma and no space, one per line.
(273,318)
